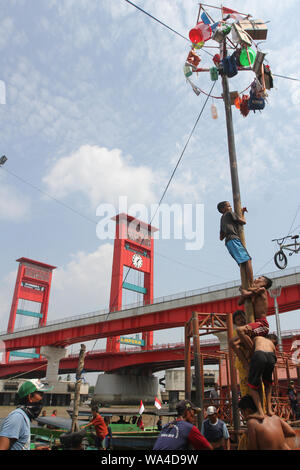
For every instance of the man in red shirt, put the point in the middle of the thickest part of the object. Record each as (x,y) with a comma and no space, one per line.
(182,434)
(100,428)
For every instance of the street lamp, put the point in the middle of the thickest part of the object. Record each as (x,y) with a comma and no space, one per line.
(274,293)
(3,159)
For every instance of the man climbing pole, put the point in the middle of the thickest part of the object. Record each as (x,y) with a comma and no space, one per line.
(229,230)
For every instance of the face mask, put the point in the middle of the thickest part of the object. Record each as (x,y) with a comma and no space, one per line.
(34,410)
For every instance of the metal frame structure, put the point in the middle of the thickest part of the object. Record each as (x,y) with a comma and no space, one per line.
(203,324)
(33,284)
(134,238)
(208,324)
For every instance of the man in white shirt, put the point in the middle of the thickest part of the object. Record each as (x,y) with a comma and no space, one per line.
(215,430)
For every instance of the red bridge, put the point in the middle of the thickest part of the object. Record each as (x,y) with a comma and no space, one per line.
(161,357)
(165,313)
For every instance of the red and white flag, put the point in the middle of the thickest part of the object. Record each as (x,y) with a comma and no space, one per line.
(142,408)
(157,403)
(232,13)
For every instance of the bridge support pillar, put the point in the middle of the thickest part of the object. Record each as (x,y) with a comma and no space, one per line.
(125,389)
(53,355)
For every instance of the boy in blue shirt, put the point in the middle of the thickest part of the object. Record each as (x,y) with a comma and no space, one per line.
(229,229)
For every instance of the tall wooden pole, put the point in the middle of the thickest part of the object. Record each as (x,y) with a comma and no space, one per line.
(235,178)
(198,376)
(187,362)
(234,392)
(77,388)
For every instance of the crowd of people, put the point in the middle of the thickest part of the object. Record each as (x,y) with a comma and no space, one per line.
(255,350)
(263,432)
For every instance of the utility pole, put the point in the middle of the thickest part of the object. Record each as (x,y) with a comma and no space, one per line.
(77,388)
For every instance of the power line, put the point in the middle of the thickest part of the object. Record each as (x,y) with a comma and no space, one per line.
(183,151)
(66,206)
(58,201)
(156,19)
(163,24)
(260,270)
(169,182)
(189,266)
(289,233)
(287,78)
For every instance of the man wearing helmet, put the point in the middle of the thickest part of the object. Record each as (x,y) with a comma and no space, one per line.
(15,429)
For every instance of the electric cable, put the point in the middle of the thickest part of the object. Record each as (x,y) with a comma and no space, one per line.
(163,24)
(169,182)
(156,19)
(66,206)
(289,233)
(48,195)
(287,78)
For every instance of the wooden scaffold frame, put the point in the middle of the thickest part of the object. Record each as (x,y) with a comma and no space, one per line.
(201,324)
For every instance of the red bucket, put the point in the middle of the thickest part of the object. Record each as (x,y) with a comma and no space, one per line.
(201,33)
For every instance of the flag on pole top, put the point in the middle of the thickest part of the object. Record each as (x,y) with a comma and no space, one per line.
(232,13)
(157,403)
(142,408)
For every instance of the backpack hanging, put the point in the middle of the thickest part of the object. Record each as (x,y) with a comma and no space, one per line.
(255,103)
(229,66)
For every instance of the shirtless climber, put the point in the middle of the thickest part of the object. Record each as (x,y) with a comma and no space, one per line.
(262,366)
(259,298)
(268,434)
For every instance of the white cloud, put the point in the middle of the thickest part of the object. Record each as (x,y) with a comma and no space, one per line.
(6,294)
(13,206)
(83,284)
(80,286)
(102,175)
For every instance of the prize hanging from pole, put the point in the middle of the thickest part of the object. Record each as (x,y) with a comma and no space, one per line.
(214,111)
(241,33)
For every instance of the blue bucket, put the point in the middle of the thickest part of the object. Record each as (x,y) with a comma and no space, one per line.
(205,18)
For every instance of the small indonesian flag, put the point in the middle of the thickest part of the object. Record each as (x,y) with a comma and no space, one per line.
(157,403)
(141,411)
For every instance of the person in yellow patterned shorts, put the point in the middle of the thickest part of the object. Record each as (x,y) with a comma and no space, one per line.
(239,319)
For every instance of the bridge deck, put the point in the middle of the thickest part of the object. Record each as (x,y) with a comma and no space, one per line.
(164,313)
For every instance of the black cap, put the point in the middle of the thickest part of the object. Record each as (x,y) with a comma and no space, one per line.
(186,405)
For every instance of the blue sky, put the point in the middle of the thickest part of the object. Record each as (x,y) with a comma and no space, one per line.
(97,107)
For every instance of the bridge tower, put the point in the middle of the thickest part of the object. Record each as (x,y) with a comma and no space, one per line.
(33,284)
(133,248)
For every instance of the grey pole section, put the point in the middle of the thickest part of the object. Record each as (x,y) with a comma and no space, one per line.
(77,388)
(197,363)
(274,293)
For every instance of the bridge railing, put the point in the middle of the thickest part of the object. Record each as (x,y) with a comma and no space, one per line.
(178,296)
